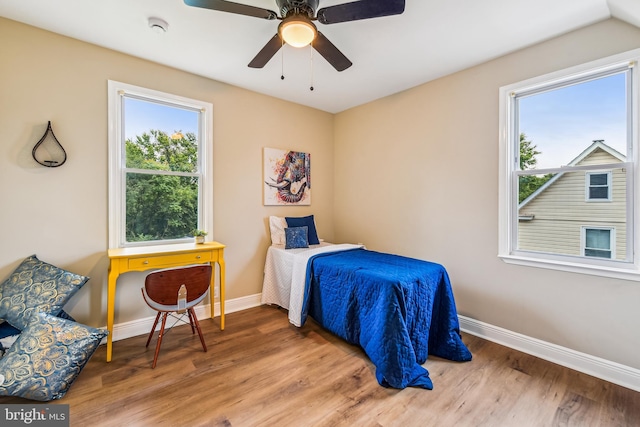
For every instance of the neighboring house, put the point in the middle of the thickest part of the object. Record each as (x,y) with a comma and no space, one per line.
(581,213)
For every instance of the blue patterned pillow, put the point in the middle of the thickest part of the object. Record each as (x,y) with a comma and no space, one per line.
(296,237)
(34,287)
(47,357)
(310,222)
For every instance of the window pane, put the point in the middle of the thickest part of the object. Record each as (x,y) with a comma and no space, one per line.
(552,217)
(561,123)
(160,137)
(597,254)
(160,207)
(598,193)
(599,239)
(598,179)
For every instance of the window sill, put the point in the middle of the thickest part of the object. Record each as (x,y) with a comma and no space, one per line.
(630,273)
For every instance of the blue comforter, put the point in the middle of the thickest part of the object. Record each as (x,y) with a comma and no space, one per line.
(398,309)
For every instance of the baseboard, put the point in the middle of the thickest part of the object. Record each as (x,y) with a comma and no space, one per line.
(607,370)
(142,326)
(613,372)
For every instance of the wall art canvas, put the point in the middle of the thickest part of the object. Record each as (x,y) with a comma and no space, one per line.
(287,177)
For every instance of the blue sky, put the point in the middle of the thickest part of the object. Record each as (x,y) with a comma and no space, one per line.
(142,116)
(563,122)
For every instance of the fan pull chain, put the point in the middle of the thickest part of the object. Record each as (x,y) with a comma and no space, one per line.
(282,61)
(311,58)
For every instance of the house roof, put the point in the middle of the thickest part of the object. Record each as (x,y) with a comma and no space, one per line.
(429,40)
(596,145)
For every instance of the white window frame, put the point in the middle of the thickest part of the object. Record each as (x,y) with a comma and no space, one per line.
(117,191)
(508,161)
(612,240)
(587,184)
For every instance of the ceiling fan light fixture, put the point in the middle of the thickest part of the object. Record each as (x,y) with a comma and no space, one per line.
(297,31)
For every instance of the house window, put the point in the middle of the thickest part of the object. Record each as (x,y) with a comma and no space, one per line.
(160,166)
(598,186)
(598,242)
(568,139)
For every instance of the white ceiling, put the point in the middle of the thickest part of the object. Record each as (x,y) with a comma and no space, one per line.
(431,39)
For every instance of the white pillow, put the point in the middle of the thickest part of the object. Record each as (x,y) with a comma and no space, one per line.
(277,224)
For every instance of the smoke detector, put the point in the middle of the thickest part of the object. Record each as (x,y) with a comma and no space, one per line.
(158,25)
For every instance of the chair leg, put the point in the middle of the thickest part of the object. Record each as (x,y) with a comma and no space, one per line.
(195,321)
(193,331)
(155,357)
(153,328)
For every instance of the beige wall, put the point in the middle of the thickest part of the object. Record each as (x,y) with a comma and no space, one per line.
(416,173)
(60,214)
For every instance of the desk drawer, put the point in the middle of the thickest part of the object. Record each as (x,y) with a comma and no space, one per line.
(170,260)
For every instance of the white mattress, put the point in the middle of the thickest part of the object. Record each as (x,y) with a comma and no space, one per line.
(284,275)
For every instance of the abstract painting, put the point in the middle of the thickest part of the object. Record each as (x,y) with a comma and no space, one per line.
(287,177)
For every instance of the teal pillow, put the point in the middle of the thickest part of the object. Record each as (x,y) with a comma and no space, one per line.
(47,357)
(34,287)
(296,237)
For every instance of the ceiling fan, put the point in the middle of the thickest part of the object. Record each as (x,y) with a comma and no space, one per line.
(297,28)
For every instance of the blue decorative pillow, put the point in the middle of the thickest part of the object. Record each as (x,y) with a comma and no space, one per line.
(296,237)
(47,357)
(36,287)
(305,221)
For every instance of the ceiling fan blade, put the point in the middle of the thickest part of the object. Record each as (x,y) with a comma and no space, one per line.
(227,6)
(331,53)
(267,52)
(357,10)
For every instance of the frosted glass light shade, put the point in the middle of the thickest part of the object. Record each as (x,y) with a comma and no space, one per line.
(297,32)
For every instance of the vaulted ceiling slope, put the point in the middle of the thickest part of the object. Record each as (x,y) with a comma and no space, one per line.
(432,38)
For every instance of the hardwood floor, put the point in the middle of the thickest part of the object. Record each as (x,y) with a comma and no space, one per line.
(262,371)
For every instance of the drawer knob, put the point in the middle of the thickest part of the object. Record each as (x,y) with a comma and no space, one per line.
(145,262)
(197,256)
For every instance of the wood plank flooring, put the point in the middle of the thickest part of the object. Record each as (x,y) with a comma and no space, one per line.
(262,371)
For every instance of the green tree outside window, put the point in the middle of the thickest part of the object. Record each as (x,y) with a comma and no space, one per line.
(528,184)
(161,205)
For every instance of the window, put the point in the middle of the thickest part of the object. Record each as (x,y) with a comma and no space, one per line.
(598,242)
(568,156)
(160,166)
(598,186)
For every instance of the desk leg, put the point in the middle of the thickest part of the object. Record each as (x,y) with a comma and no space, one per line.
(221,263)
(111,303)
(212,290)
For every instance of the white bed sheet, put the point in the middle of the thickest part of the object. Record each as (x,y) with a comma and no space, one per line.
(284,275)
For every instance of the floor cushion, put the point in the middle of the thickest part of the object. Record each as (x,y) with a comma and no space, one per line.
(47,357)
(36,287)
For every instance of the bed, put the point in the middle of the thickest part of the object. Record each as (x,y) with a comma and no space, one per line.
(397,309)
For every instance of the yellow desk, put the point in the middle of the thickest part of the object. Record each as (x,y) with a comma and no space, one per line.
(144,258)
